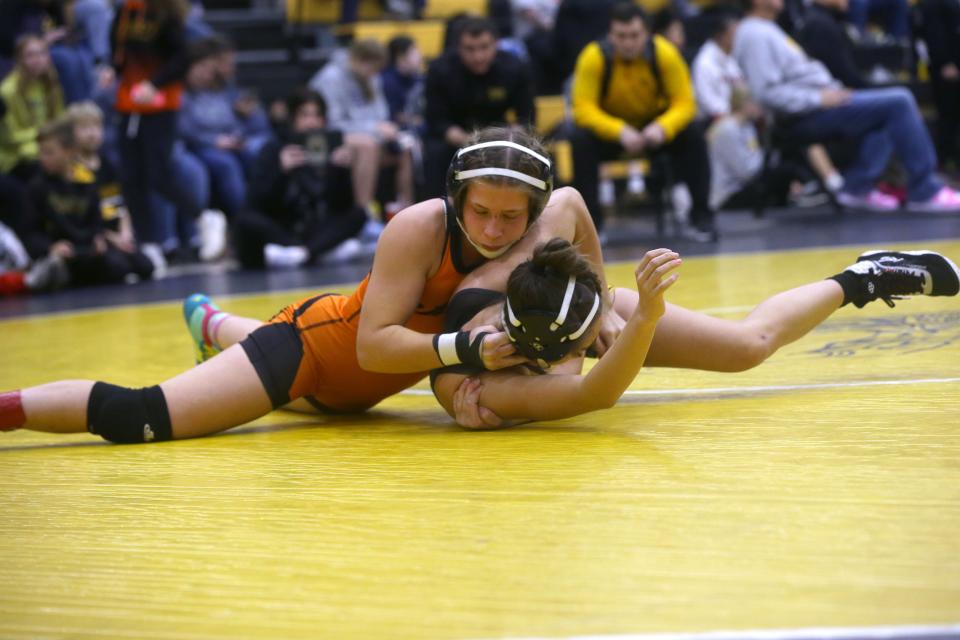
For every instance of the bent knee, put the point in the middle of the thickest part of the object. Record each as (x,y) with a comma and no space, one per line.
(751,351)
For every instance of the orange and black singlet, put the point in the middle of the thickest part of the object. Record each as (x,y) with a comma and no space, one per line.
(309,349)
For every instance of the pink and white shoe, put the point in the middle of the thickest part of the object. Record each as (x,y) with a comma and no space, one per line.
(873,201)
(946,200)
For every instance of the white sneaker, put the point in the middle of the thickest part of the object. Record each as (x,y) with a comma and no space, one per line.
(347,251)
(12,254)
(371,230)
(682,203)
(155,254)
(213,234)
(607,195)
(636,185)
(277,256)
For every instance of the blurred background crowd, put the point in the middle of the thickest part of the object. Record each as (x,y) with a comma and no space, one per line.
(140,134)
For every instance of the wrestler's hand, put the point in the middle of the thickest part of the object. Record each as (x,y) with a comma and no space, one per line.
(653,280)
(611,324)
(497,352)
(467,410)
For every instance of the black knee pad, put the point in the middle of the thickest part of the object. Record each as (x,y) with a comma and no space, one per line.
(127,416)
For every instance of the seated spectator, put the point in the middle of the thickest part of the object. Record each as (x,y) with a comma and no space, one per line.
(66,221)
(255,125)
(578,23)
(716,77)
(213,131)
(301,202)
(533,22)
(885,121)
(940,30)
(351,87)
(642,103)
(473,86)
(824,37)
(87,121)
(32,95)
(668,25)
(403,83)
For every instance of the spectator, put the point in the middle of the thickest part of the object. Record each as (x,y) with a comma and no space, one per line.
(470,87)
(213,131)
(885,121)
(578,23)
(255,125)
(87,120)
(824,37)
(33,97)
(533,22)
(302,205)
(402,82)
(150,57)
(46,20)
(668,25)
(67,223)
(940,30)
(715,72)
(351,87)
(632,94)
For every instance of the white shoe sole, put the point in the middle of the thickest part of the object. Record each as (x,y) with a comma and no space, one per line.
(953,265)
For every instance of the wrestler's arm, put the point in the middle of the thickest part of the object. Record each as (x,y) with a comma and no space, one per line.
(515,396)
(406,253)
(587,242)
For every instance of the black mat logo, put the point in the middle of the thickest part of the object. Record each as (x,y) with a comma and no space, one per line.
(903,334)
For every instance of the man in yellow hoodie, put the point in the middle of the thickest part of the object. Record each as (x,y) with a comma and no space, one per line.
(632,95)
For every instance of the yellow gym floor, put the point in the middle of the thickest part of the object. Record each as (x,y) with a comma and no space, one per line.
(819,490)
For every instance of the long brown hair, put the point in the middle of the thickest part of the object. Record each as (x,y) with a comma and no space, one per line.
(164,10)
(52,92)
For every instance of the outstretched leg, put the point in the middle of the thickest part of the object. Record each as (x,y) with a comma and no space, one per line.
(221,393)
(693,340)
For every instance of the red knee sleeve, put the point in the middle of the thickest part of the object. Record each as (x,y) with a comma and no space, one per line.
(11,411)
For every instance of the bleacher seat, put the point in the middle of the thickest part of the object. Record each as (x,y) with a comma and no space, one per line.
(428,34)
(328,11)
(443,9)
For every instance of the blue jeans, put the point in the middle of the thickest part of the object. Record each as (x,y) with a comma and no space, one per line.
(226,169)
(885,121)
(175,227)
(896,14)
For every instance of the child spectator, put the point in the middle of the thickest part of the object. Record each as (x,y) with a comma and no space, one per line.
(87,120)
(33,97)
(302,205)
(403,83)
(66,222)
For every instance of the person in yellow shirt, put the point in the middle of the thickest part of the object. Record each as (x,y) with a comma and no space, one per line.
(632,95)
(33,97)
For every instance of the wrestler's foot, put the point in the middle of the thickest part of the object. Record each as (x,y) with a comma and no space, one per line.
(892,275)
(203,317)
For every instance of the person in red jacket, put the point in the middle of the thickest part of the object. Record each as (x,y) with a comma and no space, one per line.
(150,58)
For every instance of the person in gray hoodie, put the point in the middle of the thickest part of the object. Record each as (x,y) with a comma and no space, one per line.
(352,88)
(808,100)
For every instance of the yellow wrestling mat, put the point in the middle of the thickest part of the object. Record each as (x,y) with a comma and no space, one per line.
(819,490)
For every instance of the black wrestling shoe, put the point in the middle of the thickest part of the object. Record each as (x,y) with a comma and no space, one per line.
(893,275)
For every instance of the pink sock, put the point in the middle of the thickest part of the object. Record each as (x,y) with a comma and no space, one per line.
(11,411)
(211,326)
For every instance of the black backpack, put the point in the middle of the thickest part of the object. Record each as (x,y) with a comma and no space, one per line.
(649,54)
